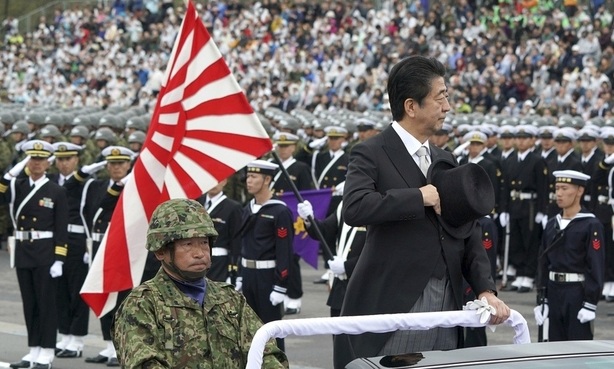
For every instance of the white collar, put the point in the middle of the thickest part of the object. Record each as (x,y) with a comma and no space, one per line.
(37,181)
(214,198)
(411,143)
(562,158)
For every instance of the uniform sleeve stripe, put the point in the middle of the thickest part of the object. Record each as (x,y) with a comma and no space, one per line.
(61,250)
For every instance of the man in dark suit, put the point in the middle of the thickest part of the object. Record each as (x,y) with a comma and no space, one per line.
(39,212)
(410,262)
(226,215)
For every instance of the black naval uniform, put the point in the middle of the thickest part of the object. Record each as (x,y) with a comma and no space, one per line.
(101,196)
(226,215)
(266,254)
(490,238)
(572,259)
(589,166)
(524,195)
(349,240)
(301,176)
(41,239)
(329,175)
(600,182)
(73,312)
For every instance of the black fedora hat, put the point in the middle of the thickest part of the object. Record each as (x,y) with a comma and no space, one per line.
(465,193)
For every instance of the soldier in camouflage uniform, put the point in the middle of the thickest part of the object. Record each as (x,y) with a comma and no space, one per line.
(180,319)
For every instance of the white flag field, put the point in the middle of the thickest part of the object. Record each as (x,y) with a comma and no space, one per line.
(202,131)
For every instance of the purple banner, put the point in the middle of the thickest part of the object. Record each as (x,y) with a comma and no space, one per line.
(304,246)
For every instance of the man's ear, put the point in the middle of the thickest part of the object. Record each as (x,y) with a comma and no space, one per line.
(410,107)
(160,253)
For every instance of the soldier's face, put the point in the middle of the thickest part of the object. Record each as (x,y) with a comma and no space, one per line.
(256,183)
(562,147)
(334,143)
(37,167)
(191,255)
(568,194)
(118,169)
(67,165)
(285,151)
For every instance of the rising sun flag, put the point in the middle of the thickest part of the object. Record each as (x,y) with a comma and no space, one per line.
(202,131)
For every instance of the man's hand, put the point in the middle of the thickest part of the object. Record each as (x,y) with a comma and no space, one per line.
(304,209)
(276,298)
(430,197)
(502,310)
(541,313)
(504,219)
(93,168)
(239,284)
(17,169)
(337,265)
(56,269)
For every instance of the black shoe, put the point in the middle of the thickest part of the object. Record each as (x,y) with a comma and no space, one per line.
(113,362)
(524,289)
(320,281)
(291,311)
(41,366)
(58,350)
(69,353)
(100,359)
(21,364)
(509,287)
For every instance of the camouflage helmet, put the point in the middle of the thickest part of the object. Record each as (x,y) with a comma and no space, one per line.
(111,121)
(50,131)
(80,131)
(21,126)
(105,133)
(177,219)
(137,137)
(136,123)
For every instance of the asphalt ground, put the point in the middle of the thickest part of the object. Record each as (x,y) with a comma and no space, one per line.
(308,352)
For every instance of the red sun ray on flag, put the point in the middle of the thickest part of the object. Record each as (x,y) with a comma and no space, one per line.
(202,131)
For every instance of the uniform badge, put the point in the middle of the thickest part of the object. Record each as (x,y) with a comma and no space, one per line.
(46,202)
(282,232)
(218,220)
(487,243)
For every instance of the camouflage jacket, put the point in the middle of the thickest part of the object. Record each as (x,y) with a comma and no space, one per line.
(158,326)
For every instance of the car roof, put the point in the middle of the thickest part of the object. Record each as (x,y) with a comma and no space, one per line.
(525,355)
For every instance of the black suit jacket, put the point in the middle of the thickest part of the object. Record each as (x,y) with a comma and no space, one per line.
(404,240)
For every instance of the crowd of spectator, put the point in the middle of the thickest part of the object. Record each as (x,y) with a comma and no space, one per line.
(508,57)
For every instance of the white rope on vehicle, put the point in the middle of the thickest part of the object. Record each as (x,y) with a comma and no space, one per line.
(376,324)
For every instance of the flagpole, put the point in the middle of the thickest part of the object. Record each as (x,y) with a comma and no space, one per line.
(325,248)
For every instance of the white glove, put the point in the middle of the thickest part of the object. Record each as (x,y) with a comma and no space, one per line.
(304,209)
(56,269)
(482,309)
(86,258)
(93,168)
(539,217)
(18,168)
(276,298)
(585,315)
(540,317)
(239,284)
(51,159)
(228,280)
(339,189)
(318,143)
(609,159)
(459,150)
(337,265)
(504,219)
(544,221)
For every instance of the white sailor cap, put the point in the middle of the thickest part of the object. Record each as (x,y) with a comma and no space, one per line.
(475,136)
(37,149)
(285,138)
(117,153)
(262,167)
(565,134)
(335,131)
(507,131)
(526,130)
(587,134)
(571,176)
(66,149)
